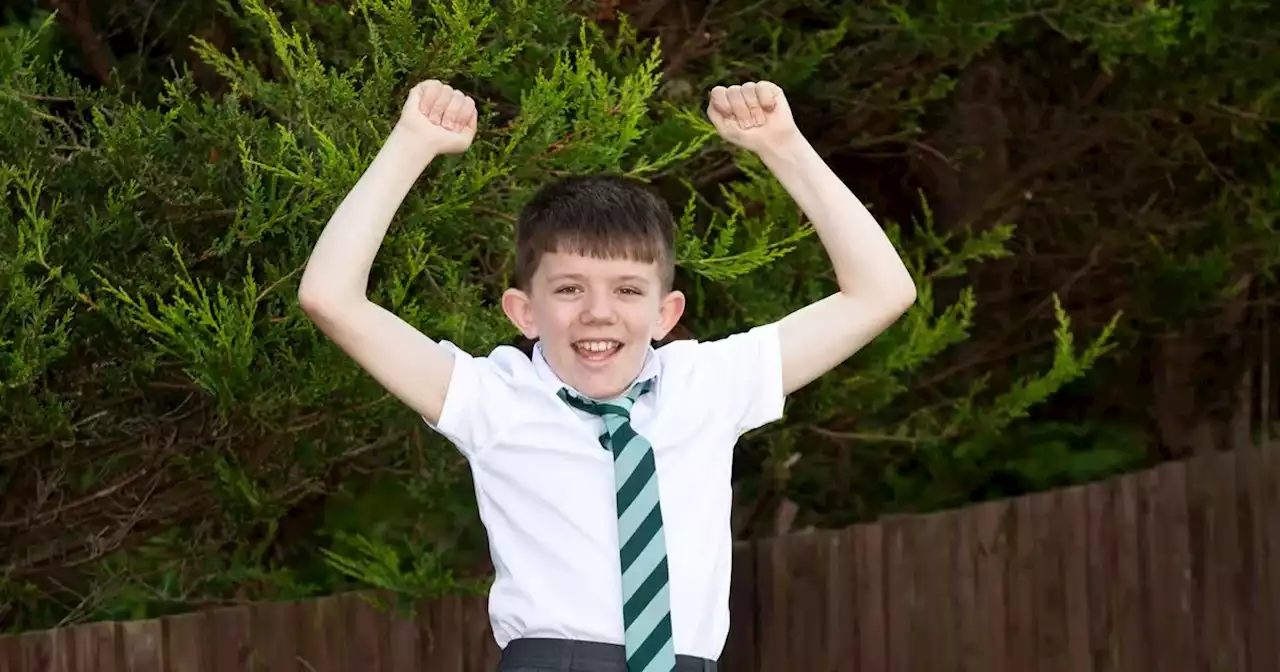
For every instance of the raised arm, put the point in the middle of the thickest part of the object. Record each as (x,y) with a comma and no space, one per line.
(435,120)
(875,287)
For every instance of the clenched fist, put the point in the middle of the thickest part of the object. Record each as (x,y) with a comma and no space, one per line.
(754,115)
(442,118)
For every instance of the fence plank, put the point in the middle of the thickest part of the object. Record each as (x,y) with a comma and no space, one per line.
(1020,645)
(934,633)
(1270,505)
(11,654)
(1198,492)
(1176,547)
(1100,547)
(144,646)
(1232,571)
(873,631)
(968,624)
(63,657)
(96,649)
(186,643)
(1155,597)
(1257,614)
(322,639)
(806,599)
(914,546)
(996,543)
(810,600)
(37,650)
(1075,579)
(774,582)
(406,642)
(1168,557)
(1049,603)
(368,627)
(482,651)
(273,637)
(899,595)
(1214,499)
(841,624)
(741,646)
(1129,575)
(442,634)
(230,641)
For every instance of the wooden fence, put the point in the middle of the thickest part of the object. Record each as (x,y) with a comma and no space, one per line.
(1173,569)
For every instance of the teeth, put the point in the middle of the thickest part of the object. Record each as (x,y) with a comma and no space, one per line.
(597,346)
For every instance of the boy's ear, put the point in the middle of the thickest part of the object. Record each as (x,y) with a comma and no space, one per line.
(669,313)
(519,310)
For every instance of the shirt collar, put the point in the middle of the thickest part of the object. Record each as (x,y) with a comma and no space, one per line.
(548,377)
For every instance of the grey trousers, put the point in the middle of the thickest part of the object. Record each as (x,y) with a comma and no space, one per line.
(562,655)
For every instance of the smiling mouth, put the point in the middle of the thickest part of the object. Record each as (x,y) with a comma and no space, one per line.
(596,351)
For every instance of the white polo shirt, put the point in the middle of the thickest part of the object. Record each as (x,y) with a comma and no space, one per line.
(545,489)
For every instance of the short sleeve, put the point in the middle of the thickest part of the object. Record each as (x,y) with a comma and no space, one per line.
(744,372)
(477,403)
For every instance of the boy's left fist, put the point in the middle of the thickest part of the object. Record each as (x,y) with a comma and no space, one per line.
(754,115)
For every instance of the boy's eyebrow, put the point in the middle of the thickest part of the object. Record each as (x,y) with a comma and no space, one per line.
(578,276)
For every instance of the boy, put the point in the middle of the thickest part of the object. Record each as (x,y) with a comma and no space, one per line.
(602,464)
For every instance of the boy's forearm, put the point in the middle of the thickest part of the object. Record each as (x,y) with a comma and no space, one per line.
(338,269)
(864,259)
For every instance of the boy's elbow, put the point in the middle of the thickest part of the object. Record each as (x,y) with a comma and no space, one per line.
(309,301)
(311,297)
(318,302)
(898,297)
(907,297)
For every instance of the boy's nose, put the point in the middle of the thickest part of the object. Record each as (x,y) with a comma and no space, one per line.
(598,309)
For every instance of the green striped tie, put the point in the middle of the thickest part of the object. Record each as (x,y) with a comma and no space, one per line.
(646,610)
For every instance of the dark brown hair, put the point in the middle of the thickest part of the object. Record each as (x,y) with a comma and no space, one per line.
(601,216)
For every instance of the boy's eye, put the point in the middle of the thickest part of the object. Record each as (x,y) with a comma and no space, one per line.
(567,289)
(630,290)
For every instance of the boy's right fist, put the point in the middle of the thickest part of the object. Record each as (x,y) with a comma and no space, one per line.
(441,117)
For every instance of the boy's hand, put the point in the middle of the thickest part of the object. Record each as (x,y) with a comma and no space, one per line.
(754,116)
(440,117)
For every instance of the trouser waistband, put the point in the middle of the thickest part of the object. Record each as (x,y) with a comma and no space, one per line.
(565,655)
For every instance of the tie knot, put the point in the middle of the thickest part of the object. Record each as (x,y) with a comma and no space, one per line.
(619,406)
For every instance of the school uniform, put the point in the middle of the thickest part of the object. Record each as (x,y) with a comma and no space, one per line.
(609,524)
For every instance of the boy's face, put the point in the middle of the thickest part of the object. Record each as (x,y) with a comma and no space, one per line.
(595,318)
